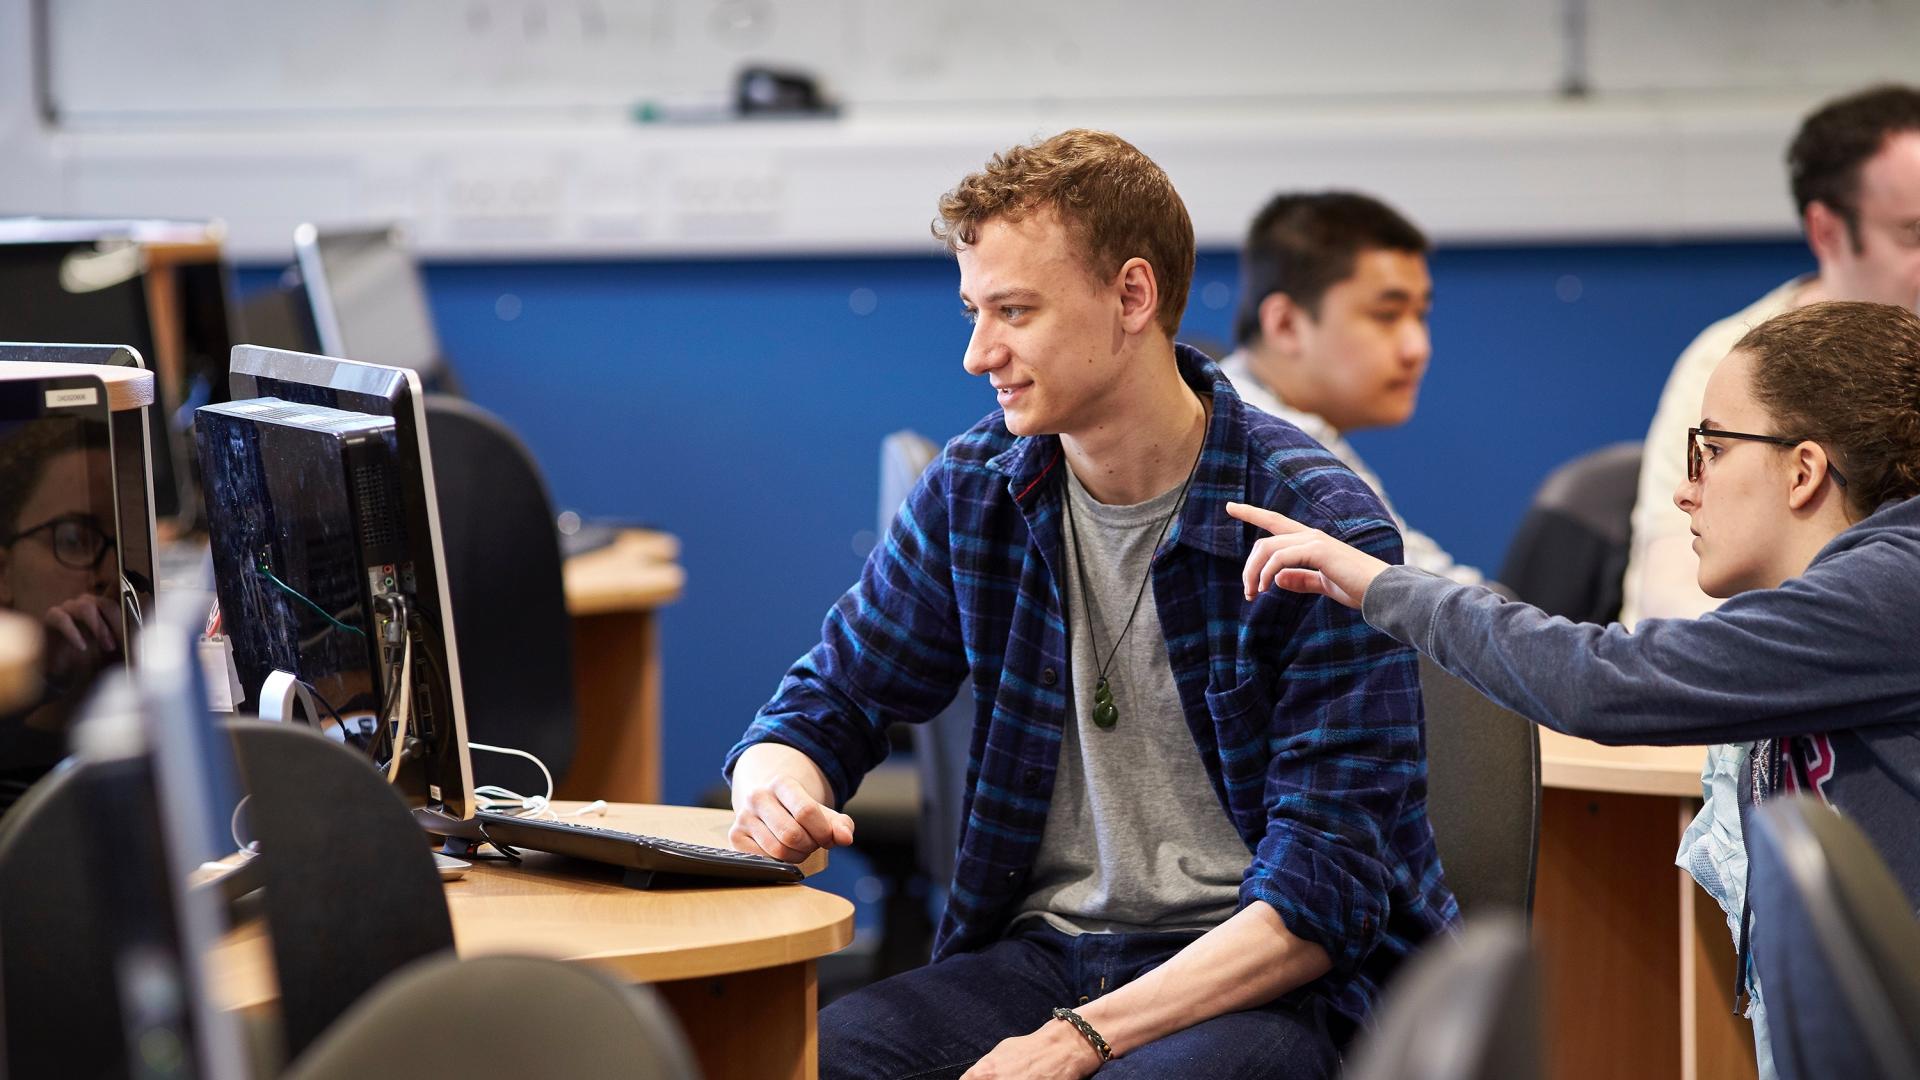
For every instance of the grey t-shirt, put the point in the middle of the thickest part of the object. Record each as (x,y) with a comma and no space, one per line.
(1136,839)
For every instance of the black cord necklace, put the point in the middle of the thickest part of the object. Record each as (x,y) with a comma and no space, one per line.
(1106,714)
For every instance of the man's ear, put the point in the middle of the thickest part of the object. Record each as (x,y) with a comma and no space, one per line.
(1827,232)
(1139,295)
(1282,323)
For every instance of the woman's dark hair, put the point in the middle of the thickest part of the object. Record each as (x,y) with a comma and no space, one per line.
(1846,374)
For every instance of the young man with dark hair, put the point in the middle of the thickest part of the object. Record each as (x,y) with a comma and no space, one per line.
(1855,172)
(1195,840)
(1332,329)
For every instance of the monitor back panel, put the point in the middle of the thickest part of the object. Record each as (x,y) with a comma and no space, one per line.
(295,522)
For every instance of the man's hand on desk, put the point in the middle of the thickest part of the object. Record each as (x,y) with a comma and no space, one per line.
(780,805)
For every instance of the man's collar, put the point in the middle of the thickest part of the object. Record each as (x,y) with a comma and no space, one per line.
(1219,476)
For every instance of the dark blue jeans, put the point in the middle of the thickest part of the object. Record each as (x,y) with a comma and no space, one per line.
(936,1021)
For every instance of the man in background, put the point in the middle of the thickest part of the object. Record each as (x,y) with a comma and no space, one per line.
(1332,329)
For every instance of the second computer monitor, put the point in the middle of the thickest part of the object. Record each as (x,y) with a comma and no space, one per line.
(367,299)
(321,487)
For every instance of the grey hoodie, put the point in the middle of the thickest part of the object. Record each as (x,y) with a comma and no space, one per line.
(1828,663)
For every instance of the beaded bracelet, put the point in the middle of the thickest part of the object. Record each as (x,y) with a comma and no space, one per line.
(1086,1031)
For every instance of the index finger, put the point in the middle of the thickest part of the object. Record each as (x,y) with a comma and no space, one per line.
(1271,520)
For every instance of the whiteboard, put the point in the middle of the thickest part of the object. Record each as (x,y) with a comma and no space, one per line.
(120,63)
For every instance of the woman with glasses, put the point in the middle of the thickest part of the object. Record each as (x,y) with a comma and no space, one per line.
(1801,484)
(56,533)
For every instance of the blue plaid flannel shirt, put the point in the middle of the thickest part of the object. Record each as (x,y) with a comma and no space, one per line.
(1307,719)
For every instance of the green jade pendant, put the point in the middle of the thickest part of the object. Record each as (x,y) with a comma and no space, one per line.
(1105,713)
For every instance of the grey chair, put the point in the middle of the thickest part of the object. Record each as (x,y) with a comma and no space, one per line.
(502,1016)
(1483,794)
(510,608)
(1569,555)
(908,807)
(1464,1008)
(1835,944)
(941,745)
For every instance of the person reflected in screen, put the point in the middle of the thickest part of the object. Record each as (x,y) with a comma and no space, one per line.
(1801,487)
(56,566)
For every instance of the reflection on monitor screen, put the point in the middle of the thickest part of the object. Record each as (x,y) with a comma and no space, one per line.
(59,557)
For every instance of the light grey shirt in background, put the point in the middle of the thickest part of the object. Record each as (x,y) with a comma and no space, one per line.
(1136,838)
(1418,549)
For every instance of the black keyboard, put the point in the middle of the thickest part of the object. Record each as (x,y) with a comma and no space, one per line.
(643,856)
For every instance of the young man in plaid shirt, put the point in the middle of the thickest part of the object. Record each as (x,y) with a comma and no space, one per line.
(1195,839)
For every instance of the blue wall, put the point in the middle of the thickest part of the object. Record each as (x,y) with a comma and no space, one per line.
(740,404)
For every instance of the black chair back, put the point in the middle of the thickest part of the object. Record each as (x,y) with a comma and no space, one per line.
(351,892)
(62,1010)
(1835,944)
(1464,1008)
(509,603)
(1569,555)
(1483,794)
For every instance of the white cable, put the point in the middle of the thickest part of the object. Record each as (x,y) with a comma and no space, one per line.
(233,823)
(539,804)
(404,706)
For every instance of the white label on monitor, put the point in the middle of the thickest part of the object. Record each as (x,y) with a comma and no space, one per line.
(66,399)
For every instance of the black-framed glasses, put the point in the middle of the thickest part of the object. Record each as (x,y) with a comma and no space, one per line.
(79,543)
(1695,457)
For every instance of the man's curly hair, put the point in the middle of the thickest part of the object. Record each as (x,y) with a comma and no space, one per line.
(1114,201)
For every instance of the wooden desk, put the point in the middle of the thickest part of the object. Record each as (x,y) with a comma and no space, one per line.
(613,595)
(1639,961)
(736,964)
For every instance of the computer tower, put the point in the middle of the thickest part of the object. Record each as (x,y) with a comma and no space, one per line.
(308,544)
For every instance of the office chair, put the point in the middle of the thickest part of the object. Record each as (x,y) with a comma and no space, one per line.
(351,894)
(62,1010)
(1569,554)
(510,605)
(941,745)
(899,805)
(1483,794)
(502,1016)
(1463,1008)
(1835,944)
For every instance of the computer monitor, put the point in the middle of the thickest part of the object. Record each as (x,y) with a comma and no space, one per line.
(196,803)
(328,555)
(91,290)
(368,301)
(133,432)
(60,530)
